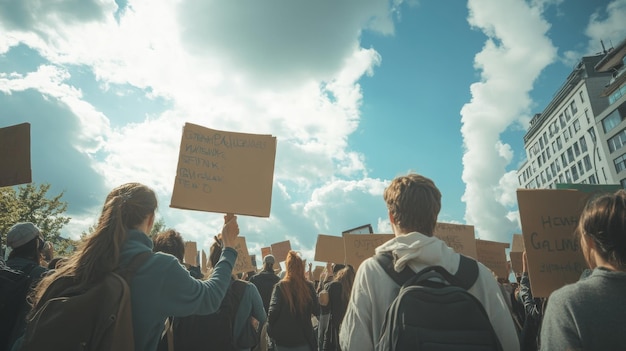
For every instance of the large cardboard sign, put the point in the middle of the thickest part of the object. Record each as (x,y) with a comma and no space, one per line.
(493,255)
(191,253)
(15,155)
(329,249)
(459,237)
(517,250)
(549,218)
(280,250)
(244,262)
(224,172)
(359,247)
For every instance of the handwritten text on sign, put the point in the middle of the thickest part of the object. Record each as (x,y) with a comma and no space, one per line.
(459,237)
(225,172)
(362,246)
(549,218)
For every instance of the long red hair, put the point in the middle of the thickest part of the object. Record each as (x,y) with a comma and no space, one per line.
(294,286)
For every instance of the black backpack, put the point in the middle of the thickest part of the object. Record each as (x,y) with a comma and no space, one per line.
(14,287)
(434,310)
(213,331)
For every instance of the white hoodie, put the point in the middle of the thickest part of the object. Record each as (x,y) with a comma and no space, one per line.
(373,291)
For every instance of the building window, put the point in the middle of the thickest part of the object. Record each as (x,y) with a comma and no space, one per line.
(611,121)
(570,155)
(587,162)
(574,173)
(568,116)
(587,116)
(541,143)
(548,153)
(620,163)
(581,169)
(592,133)
(576,125)
(561,179)
(562,120)
(568,176)
(558,143)
(582,96)
(617,141)
(592,179)
(623,183)
(583,143)
(576,149)
(566,135)
(617,94)
(573,107)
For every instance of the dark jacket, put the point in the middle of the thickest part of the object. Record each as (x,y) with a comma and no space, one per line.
(264,282)
(289,329)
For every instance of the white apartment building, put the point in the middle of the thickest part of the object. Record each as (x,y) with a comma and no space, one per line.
(563,143)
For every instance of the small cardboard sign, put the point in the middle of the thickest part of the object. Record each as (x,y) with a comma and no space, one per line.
(459,237)
(549,218)
(280,250)
(191,253)
(493,255)
(224,172)
(244,262)
(359,247)
(15,155)
(329,249)
(517,249)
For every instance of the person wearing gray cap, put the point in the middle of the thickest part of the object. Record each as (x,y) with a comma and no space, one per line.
(24,269)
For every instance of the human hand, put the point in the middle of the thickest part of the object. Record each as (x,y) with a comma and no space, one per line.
(524,262)
(230,230)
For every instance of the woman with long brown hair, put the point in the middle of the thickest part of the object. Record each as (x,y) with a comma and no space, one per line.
(293,304)
(161,286)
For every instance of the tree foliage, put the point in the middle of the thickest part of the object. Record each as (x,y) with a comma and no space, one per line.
(31,203)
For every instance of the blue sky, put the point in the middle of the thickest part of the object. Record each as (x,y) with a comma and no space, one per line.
(356,92)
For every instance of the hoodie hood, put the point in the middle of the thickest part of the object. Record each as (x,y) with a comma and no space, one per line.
(417,251)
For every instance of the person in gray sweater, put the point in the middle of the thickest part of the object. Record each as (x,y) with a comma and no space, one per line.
(589,314)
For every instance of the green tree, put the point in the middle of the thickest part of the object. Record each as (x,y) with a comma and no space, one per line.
(31,203)
(159,226)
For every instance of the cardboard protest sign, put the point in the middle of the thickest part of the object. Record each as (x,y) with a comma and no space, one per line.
(459,237)
(15,155)
(359,247)
(317,272)
(224,172)
(493,255)
(253,261)
(549,218)
(191,253)
(266,251)
(280,250)
(243,263)
(515,255)
(329,249)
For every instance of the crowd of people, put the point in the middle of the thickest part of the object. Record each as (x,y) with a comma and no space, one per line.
(345,309)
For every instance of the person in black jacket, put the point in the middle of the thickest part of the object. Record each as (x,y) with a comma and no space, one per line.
(292,307)
(265,281)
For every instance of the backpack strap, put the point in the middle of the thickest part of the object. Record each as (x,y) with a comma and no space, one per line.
(465,276)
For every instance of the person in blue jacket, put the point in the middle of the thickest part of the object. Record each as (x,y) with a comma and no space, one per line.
(161,287)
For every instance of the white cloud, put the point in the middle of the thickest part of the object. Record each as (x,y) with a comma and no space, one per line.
(516,51)
(607,25)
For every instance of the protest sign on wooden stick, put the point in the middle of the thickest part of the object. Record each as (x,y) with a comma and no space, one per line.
(191,253)
(224,172)
(244,262)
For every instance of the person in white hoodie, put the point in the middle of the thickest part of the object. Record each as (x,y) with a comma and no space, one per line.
(413,202)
